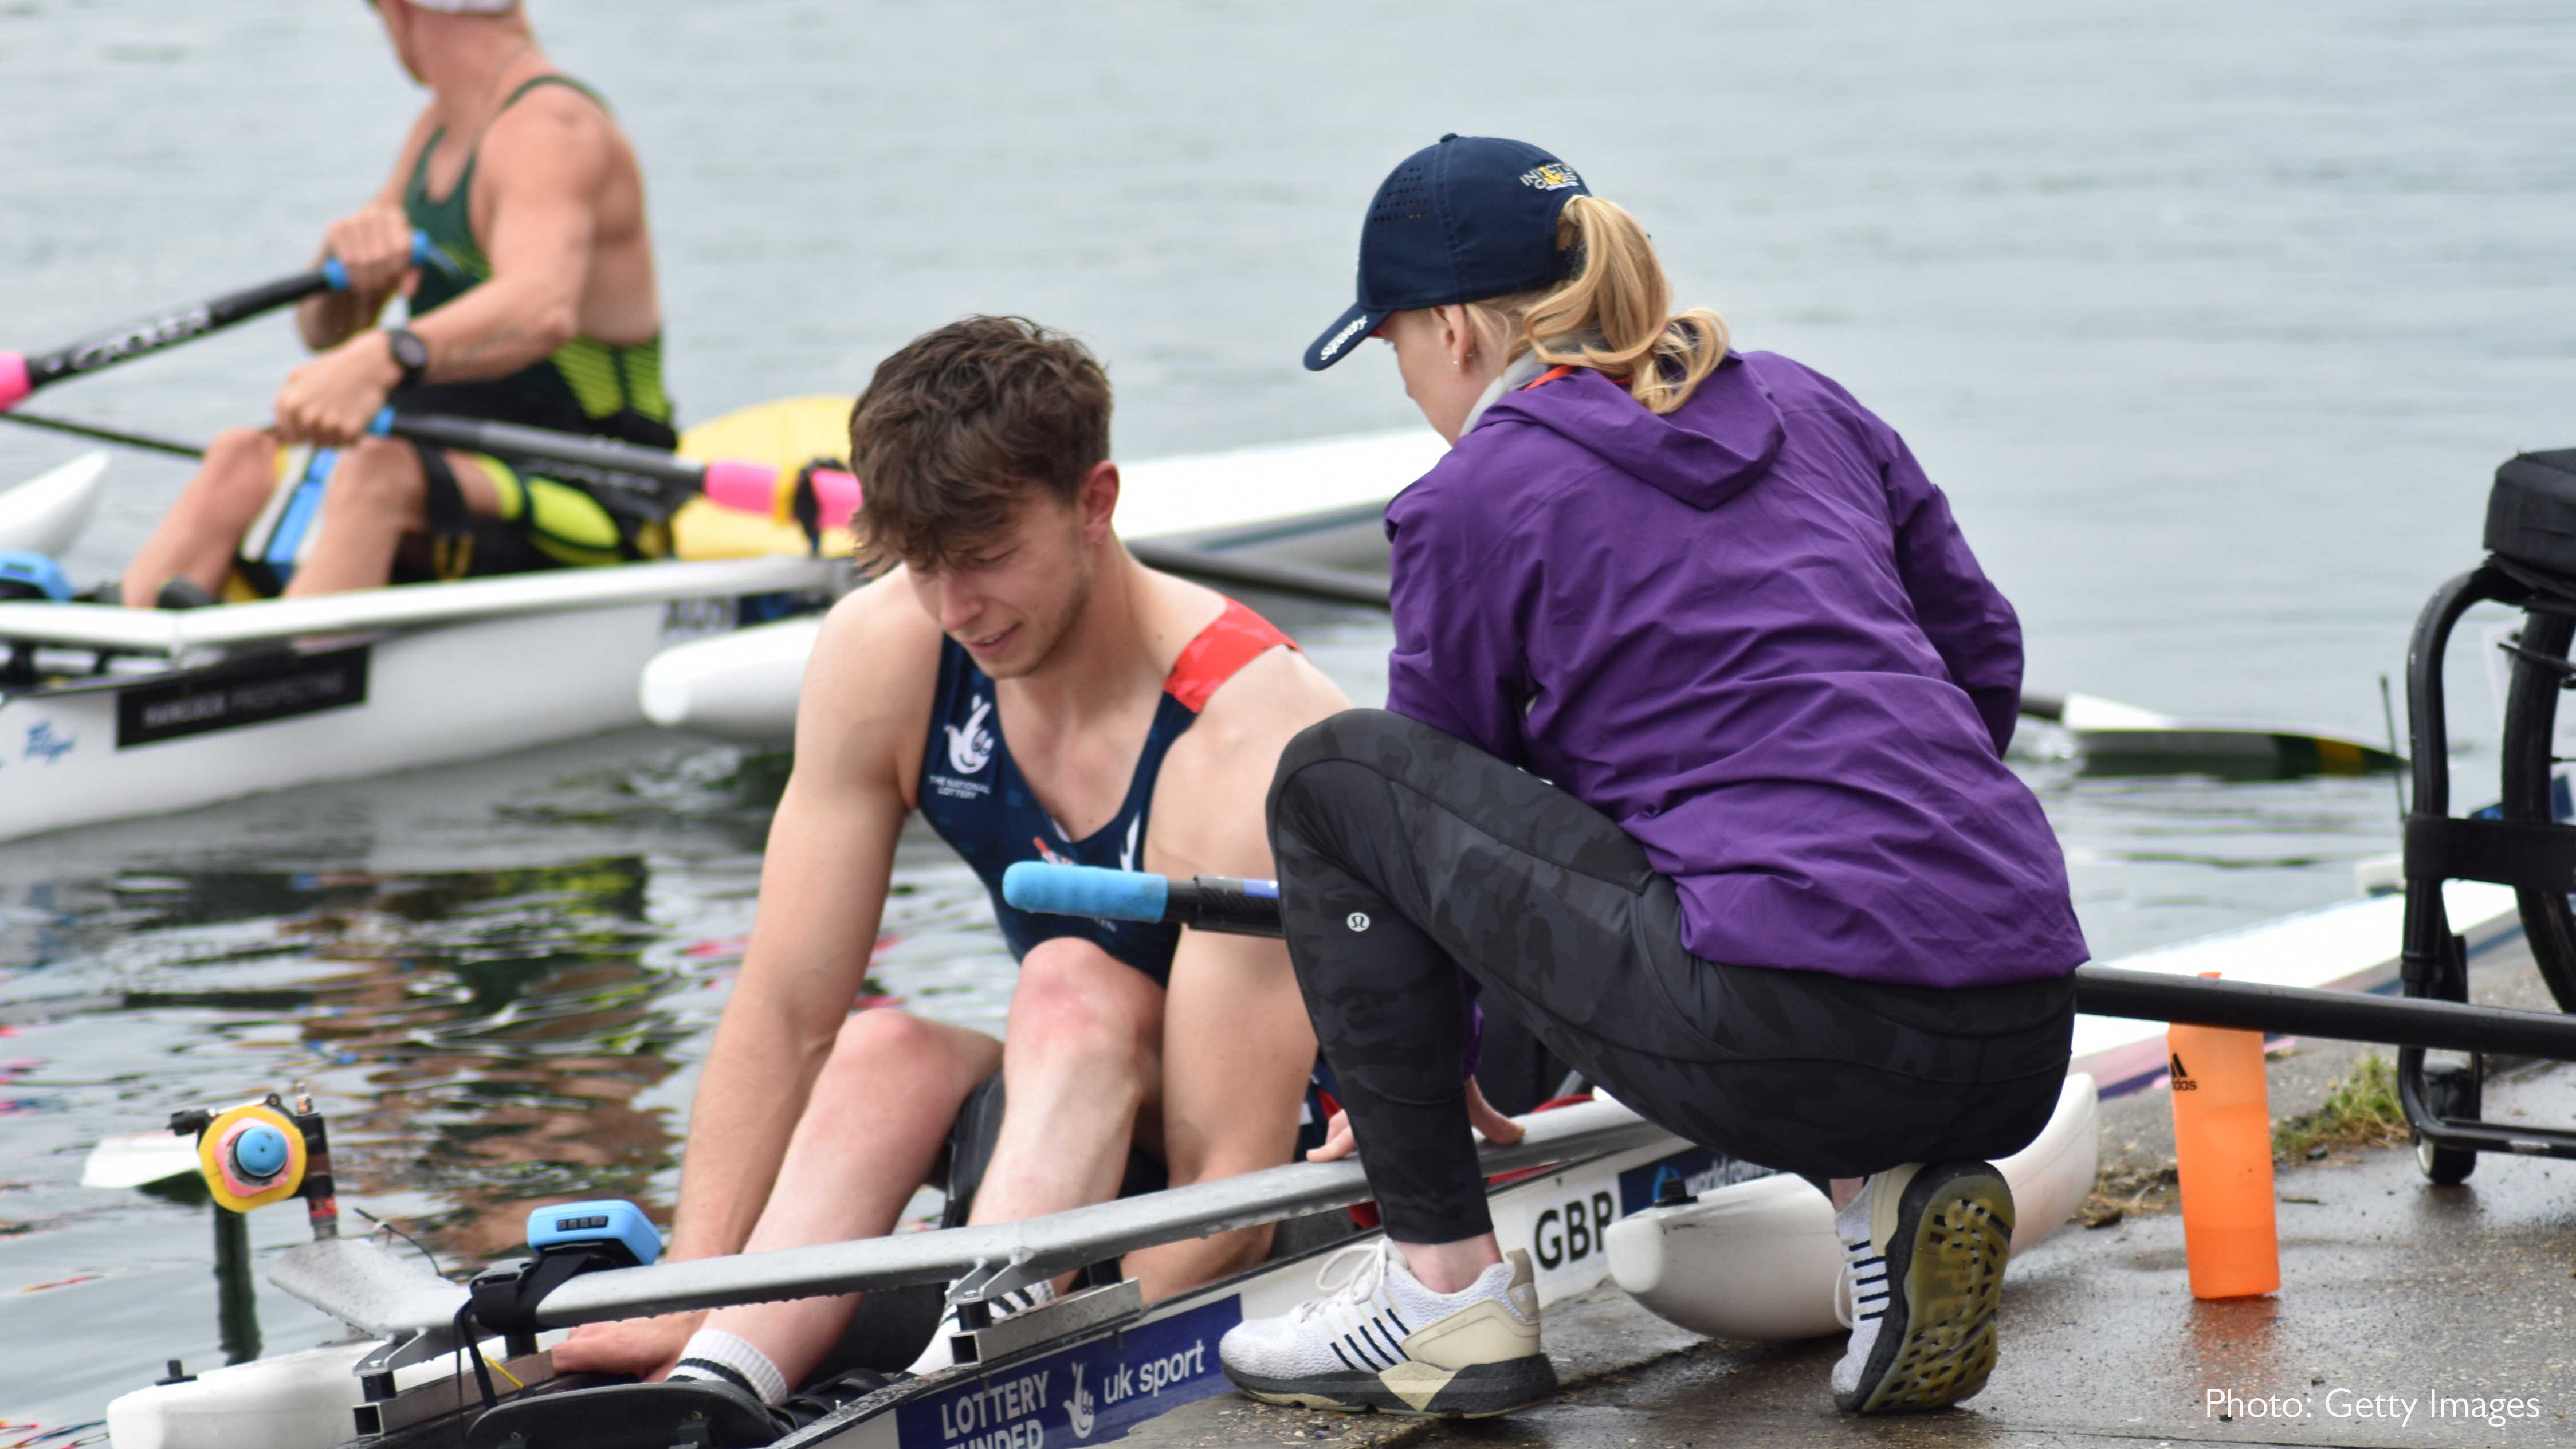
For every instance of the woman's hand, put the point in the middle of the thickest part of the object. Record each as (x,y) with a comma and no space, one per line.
(1502,1131)
(644,1347)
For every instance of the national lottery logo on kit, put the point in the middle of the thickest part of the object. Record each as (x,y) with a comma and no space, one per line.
(1087,1394)
(970,745)
(970,749)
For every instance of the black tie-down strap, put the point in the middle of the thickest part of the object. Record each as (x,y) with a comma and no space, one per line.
(2526,856)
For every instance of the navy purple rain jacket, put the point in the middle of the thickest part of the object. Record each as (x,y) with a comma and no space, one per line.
(1750,633)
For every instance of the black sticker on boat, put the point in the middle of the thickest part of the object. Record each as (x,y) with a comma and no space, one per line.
(231,696)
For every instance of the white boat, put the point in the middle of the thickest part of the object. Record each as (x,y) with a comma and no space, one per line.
(1086,1368)
(126,712)
(45,513)
(1312,503)
(109,713)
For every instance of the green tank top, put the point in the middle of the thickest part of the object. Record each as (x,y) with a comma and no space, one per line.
(586,385)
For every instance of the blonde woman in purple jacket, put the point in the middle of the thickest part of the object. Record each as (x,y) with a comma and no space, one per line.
(1692,761)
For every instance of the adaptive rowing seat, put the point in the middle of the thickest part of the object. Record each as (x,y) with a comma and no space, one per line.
(2524,841)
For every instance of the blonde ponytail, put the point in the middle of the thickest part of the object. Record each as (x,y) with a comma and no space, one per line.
(1612,315)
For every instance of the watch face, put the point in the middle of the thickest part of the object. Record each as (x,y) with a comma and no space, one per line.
(408,349)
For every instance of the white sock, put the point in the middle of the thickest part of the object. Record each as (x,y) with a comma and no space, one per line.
(715,1347)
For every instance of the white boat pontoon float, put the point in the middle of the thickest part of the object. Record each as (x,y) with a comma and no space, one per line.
(1316,503)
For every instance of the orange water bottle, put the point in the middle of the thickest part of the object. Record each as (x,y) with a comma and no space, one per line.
(2223,1153)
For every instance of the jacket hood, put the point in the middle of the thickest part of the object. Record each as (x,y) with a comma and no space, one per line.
(1703,453)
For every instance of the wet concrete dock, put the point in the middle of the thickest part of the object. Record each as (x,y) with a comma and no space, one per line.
(2409,1315)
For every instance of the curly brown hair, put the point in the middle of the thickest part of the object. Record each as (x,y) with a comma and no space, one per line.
(957,428)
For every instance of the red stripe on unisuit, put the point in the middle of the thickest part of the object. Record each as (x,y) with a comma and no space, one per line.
(1236,638)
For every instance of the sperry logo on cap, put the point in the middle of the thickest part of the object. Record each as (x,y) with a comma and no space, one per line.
(1342,338)
(1554,176)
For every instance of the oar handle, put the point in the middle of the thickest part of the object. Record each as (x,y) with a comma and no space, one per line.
(733,483)
(1251,908)
(335,273)
(21,374)
(1207,902)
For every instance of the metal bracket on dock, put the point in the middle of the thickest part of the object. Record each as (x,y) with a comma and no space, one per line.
(1057,1318)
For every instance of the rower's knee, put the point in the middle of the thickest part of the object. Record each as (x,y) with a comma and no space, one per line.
(240,470)
(381,477)
(877,1046)
(1078,1006)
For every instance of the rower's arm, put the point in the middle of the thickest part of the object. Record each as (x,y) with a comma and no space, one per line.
(822,891)
(544,166)
(328,319)
(1237,1047)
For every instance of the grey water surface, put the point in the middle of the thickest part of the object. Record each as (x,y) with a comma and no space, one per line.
(2214,320)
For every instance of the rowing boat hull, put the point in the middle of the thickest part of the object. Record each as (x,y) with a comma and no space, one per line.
(333,708)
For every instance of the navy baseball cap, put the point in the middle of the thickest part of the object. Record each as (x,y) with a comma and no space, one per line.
(1462,219)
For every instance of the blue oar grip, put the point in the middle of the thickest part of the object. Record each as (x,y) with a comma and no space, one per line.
(1085,890)
(337,274)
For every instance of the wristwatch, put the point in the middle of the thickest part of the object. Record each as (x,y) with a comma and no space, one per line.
(410,354)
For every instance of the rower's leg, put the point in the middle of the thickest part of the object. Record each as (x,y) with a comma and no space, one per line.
(197,538)
(874,1125)
(379,493)
(1084,1048)
(1236,1053)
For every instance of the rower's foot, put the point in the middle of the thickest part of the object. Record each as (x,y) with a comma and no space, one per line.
(1378,1339)
(1924,1249)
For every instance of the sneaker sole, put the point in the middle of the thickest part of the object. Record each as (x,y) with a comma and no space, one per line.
(1414,1390)
(1952,1266)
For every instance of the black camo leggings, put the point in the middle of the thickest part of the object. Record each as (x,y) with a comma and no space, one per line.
(1406,856)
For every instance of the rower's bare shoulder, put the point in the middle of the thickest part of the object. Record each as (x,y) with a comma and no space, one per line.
(554,129)
(873,671)
(1209,797)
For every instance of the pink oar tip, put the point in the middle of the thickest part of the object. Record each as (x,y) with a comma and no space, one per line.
(744,487)
(14,383)
(836,497)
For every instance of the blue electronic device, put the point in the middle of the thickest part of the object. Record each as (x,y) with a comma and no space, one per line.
(28,575)
(610,1223)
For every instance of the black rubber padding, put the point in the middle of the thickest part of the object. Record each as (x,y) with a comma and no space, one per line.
(628,1416)
(2531,513)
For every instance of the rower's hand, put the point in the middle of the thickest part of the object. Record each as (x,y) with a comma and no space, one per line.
(374,244)
(330,401)
(1502,1131)
(644,1347)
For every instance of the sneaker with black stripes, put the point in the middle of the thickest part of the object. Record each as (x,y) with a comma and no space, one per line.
(1924,1249)
(1378,1339)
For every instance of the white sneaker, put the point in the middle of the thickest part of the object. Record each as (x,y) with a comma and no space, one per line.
(1378,1339)
(1924,1249)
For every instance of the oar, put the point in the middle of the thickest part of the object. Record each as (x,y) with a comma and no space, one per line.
(21,374)
(2125,736)
(745,486)
(1251,908)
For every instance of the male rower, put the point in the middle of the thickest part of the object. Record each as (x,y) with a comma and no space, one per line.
(1034,693)
(538,308)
